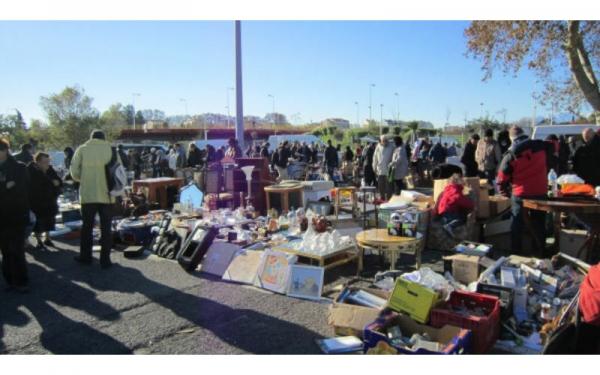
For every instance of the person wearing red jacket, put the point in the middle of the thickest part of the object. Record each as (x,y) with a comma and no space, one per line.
(453,206)
(523,174)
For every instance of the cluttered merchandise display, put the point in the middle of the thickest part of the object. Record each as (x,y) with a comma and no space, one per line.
(405,223)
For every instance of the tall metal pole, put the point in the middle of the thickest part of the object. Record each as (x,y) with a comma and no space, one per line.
(481,121)
(239,102)
(397,108)
(381,121)
(273,110)
(357,115)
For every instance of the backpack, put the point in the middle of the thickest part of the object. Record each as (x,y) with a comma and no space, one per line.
(116,177)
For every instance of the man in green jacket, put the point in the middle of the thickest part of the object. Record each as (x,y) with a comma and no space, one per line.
(88,168)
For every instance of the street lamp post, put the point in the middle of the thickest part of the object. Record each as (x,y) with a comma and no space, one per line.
(133,105)
(239,99)
(357,115)
(481,119)
(371,101)
(381,120)
(273,113)
(397,107)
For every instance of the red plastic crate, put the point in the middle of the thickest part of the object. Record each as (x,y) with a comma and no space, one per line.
(485,329)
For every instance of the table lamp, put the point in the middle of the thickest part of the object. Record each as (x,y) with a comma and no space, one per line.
(248,172)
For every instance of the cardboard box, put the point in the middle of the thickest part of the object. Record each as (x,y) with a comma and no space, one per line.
(413,299)
(483,206)
(498,204)
(350,320)
(465,268)
(453,340)
(571,240)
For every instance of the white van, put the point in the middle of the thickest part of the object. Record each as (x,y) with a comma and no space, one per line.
(542,131)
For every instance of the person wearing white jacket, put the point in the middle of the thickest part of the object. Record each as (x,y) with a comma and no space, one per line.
(381,162)
(400,164)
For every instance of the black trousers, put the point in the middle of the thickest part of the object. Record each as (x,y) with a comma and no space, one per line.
(399,186)
(14,267)
(538,223)
(88,214)
(370,178)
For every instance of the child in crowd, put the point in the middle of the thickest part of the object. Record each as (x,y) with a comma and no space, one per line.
(453,206)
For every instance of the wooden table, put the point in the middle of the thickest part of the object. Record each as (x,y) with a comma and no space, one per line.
(327,261)
(339,191)
(381,241)
(586,210)
(284,196)
(157,188)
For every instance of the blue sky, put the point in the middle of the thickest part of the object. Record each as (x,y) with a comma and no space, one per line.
(314,69)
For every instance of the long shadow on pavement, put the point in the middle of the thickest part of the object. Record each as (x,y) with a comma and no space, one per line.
(60,334)
(246,329)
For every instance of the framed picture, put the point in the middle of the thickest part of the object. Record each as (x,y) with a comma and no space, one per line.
(244,266)
(274,271)
(218,258)
(306,282)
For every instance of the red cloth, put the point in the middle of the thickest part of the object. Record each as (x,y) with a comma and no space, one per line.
(589,296)
(452,200)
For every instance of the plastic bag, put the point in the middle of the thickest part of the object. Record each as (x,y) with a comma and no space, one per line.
(569,179)
(432,280)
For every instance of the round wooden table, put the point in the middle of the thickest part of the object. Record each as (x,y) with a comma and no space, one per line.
(587,210)
(381,241)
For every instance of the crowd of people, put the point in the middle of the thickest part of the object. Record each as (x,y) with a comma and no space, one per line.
(514,164)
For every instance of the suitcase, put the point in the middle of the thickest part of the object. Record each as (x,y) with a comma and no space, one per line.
(195,247)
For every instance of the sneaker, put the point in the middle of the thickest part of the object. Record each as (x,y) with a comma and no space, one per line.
(81,260)
(40,247)
(49,243)
(448,229)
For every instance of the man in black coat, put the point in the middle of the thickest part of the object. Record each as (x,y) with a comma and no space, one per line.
(44,189)
(26,154)
(585,162)
(369,174)
(264,150)
(14,218)
(280,160)
(331,158)
(194,158)
(468,157)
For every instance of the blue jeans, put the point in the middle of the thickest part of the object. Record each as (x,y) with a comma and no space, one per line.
(453,220)
(538,224)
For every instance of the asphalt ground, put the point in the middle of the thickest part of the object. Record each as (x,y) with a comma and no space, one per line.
(150,305)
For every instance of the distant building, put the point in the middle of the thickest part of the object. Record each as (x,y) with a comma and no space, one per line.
(337,122)
(156,124)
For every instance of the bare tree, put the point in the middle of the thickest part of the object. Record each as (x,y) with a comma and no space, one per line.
(564,55)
